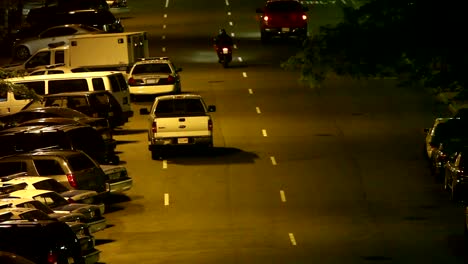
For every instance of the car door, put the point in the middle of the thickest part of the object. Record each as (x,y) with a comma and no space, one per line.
(53,35)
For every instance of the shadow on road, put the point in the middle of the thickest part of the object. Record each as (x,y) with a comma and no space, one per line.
(121,142)
(120,132)
(216,155)
(103,241)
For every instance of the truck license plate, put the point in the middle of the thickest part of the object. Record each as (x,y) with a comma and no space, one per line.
(151,81)
(182,140)
(285,29)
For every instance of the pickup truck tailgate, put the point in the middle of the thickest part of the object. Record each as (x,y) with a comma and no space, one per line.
(188,126)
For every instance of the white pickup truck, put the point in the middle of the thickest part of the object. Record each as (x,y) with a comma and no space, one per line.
(179,120)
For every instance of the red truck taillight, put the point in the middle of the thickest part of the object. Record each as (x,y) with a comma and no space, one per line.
(72,180)
(154,128)
(210,125)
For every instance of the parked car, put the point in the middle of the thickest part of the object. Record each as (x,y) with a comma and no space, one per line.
(92,213)
(45,183)
(440,155)
(443,129)
(52,16)
(69,137)
(155,75)
(74,169)
(17,213)
(456,175)
(23,48)
(283,18)
(100,104)
(44,241)
(58,68)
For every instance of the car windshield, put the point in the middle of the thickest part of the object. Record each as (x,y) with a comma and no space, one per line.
(51,199)
(50,185)
(152,68)
(284,6)
(36,205)
(187,106)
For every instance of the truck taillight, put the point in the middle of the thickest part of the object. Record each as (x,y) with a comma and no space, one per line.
(154,128)
(72,180)
(265,18)
(52,258)
(210,125)
(131,81)
(304,17)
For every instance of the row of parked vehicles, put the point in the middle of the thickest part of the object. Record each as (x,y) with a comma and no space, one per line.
(58,164)
(446,148)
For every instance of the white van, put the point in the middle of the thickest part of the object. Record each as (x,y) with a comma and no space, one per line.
(113,82)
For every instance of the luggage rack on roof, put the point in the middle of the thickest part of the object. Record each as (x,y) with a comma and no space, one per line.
(51,66)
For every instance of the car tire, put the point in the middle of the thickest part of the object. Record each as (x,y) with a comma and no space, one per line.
(155,154)
(22,53)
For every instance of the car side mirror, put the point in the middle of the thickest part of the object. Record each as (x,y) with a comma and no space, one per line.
(259,10)
(211,108)
(144,111)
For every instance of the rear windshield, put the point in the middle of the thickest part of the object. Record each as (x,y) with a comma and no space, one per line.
(12,167)
(80,162)
(284,6)
(50,185)
(152,68)
(38,87)
(180,106)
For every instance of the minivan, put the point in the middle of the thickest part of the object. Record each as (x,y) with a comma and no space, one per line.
(114,82)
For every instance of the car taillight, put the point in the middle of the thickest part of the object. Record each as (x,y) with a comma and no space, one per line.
(154,128)
(304,17)
(70,200)
(52,258)
(132,81)
(94,115)
(72,180)
(265,18)
(210,125)
(170,79)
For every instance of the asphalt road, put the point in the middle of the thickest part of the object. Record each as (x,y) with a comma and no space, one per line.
(297,175)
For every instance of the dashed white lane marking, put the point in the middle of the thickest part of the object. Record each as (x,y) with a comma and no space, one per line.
(273,160)
(164,26)
(240,59)
(166,199)
(165,15)
(164,164)
(164,49)
(258,110)
(167,4)
(293,240)
(264,133)
(235,46)
(227,2)
(283,196)
(163,37)
(250,91)
(244,74)
(232,34)
(230,23)
(228,13)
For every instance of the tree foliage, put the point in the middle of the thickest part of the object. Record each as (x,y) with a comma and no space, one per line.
(422,39)
(19,90)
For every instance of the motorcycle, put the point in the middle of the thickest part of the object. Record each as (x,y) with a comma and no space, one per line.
(225,56)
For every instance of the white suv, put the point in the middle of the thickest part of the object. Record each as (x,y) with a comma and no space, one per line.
(155,75)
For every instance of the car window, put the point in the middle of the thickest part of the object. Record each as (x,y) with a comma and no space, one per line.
(55,72)
(34,215)
(41,58)
(122,82)
(50,185)
(37,73)
(56,32)
(73,85)
(48,167)
(37,86)
(114,82)
(177,106)
(12,167)
(151,68)
(80,162)
(3,95)
(51,199)
(59,56)
(36,205)
(98,84)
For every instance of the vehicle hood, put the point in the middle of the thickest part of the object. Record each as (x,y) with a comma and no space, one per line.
(68,217)
(72,207)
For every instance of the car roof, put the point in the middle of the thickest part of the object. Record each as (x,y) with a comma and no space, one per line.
(151,60)
(14,201)
(84,93)
(55,120)
(70,75)
(18,210)
(178,96)
(51,152)
(26,179)
(29,193)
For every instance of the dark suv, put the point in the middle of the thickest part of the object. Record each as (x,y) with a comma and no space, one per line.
(69,137)
(283,18)
(44,241)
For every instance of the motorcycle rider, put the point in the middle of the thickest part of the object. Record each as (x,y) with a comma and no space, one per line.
(222,40)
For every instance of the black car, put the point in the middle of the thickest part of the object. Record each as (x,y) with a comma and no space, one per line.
(43,241)
(69,137)
(100,104)
(45,17)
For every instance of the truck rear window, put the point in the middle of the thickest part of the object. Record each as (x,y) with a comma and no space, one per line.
(178,106)
(80,162)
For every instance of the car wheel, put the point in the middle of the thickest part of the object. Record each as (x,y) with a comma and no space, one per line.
(155,154)
(22,53)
